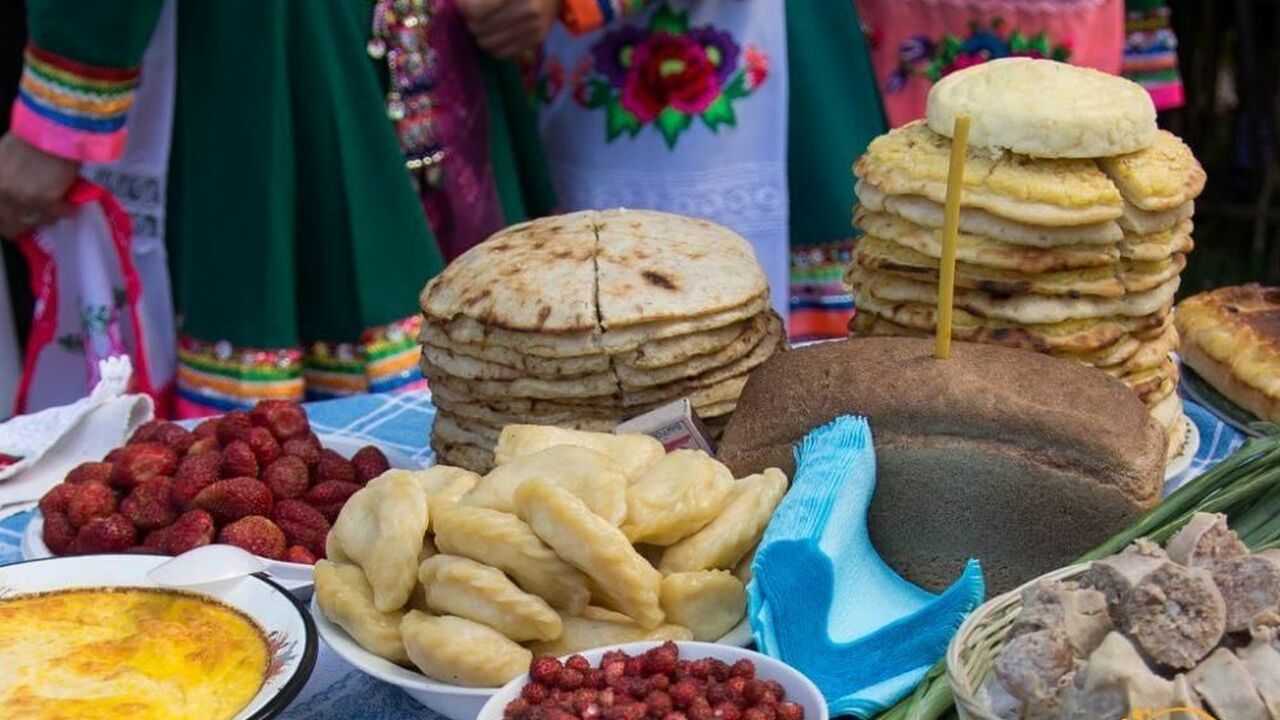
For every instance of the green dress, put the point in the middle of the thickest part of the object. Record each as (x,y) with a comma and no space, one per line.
(297,242)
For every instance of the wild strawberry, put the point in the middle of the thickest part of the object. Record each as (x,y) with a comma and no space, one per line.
(298,554)
(754,691)
(238,460)
(720,669)
(535,693)
(99,472)
(207,428)
(775,687)
(332,467)
(790,711)
(369,463)
(727,711)
(137,463)
(284,419)
(303,449)
(90,501)
(58,533)
(287,477)
(658,682)
(570,679)
(195,473)
(515,708)
(658,703)
(545,670)
(737,686)
(256,534)
(150,505)
(684,693)
(329,497)
(593,678)
(577,662)
(675,715)
(204,445)
(743,668)
(265,447)
(233,426)
(110,534)
(302,525)
(191,530)
(57,499)
(234,498)
(165,433)
(700,668)
(635,667)
(661,659)
(699,709)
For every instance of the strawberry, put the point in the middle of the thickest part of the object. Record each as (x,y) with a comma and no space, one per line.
(195,473)
(191,530)
(303,449)
(58,533)
(369,463)
(229,500)
(233,426)
(150,506)
(256,534)
(110,534)
(238,460)
(333,467)
(204,445)
(57,499)
(287,477)
(284,419)
(302,525)
(163,432)
(207,428)
(99,472)
(146,432)
(264,446)
(90,501)
(139,462)
(329,497)
(299,554)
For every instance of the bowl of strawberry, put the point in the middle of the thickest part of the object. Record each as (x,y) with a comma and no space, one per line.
(261,480)
(659,681)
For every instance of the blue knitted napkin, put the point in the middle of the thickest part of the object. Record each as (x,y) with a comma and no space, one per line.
(824,602)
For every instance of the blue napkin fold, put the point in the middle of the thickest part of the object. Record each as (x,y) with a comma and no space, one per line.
(824,602)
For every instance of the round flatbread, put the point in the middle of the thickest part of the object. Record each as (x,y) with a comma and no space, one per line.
(472,368)
(1160,245)
(914,160)
(1142,222)
(734,359)
(1044,108)
(1158,178)
(675,350)
(433,335)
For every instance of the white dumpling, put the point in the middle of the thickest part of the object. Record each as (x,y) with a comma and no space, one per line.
(381,528)
(504,541)
(462,652)
(630,452)
(601,628)
(463,587)
(675,497)
(593,545)
(444,485)
(727,539)
(345,598)
(708,602)
(587,473)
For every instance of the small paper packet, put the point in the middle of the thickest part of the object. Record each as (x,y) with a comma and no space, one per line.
(676,425)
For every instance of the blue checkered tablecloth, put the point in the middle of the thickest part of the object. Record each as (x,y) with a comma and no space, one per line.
(402,422)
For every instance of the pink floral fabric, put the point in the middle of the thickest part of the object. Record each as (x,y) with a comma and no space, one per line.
(916,42)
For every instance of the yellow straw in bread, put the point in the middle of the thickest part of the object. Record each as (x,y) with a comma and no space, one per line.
(950,228)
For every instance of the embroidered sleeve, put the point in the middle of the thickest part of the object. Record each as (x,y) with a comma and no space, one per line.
(583,16)
(73,110)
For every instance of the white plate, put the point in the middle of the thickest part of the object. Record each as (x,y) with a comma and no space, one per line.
(288,627)
(1190,447)
(453,701)
(296,577)
(800,689)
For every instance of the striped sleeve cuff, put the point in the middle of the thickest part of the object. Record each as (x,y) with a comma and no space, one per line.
(583,16)
(73,110)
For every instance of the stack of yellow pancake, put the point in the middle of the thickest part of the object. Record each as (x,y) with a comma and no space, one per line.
(1074,226)
(588,319)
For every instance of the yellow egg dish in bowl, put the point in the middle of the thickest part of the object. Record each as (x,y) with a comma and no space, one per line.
(93,638)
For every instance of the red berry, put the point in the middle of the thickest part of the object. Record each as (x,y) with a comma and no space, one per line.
(238,460)
(207,428)
(150,505)
(195,473)
(727,711)
(613,656)
(138,463)
(191,530)
(111,534)
(369,463)
(284,419)
(264,446)
(570,679)
(658,703)
(515,707)
(58,533)
(535,693)
(544,670)
(790,711)
(606,698)
(333,467)
(303,449)
(594,678)
(754,691)
(204,445)
(99,472)
(658,682)
(776,688)
(683,693)
(754,714)
(577,662)
(329,497)
(700,709)
(234,498)
(736,686)
(233,426)
(675,715)
(743,668)
(90,501)
(302,525)
(287,477)
(700,668)
(635,667)
(661,659)
(256,534)
(716,693)
(299,554)
(166,433)
(720,669)
(583,699)
(57,499)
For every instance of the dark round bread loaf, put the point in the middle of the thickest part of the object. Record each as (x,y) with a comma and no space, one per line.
(1021,460)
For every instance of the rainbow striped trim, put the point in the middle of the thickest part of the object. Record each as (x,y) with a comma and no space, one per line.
(73,110)
(385,360)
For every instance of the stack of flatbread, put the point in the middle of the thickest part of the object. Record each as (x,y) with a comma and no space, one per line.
(589,319)
(1075,223)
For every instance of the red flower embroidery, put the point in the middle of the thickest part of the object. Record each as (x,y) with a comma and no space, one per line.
(757,67)
(669,70)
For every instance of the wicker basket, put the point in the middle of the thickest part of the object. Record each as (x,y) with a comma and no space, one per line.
(973,651)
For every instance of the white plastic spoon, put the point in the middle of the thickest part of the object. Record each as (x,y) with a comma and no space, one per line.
(205,566)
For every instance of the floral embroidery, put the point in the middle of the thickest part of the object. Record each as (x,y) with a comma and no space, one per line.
(666,75)
(543,77)
(919,55)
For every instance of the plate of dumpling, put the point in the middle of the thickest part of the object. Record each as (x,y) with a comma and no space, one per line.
(447,584)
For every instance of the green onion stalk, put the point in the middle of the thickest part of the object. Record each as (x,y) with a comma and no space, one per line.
(1245,486)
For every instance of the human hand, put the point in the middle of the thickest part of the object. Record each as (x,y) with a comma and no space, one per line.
(508,29)
(33,186)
